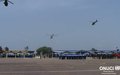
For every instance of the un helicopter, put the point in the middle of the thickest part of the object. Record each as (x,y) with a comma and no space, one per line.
(52,36)
(93,23)
(6,2)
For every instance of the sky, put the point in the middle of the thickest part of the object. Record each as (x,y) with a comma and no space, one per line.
(31,22)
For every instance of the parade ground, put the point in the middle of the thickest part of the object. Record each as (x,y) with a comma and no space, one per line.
(54,66)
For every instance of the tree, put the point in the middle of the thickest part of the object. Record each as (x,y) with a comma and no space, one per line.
(93,49)
(45,51)
(1,50)
(6,49)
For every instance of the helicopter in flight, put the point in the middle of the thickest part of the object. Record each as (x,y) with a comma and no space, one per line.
(93,23)
(52,36)
(6,2)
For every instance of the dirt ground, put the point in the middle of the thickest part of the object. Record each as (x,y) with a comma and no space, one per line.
(35,66)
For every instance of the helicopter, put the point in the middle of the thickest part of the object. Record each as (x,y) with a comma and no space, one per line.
(93,23)
(51,36)
(6,2)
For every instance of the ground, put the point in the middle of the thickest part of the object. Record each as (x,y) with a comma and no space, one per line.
(35,66)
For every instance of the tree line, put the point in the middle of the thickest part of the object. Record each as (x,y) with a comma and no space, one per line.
(6,49)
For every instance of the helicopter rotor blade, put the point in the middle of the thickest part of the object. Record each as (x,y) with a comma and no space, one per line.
(10,2)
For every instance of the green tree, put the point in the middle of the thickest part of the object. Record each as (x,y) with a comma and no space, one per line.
(45,51)
(93,49)
(1,50)
(6,49)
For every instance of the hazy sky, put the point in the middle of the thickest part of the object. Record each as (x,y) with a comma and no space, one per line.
(31,22)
